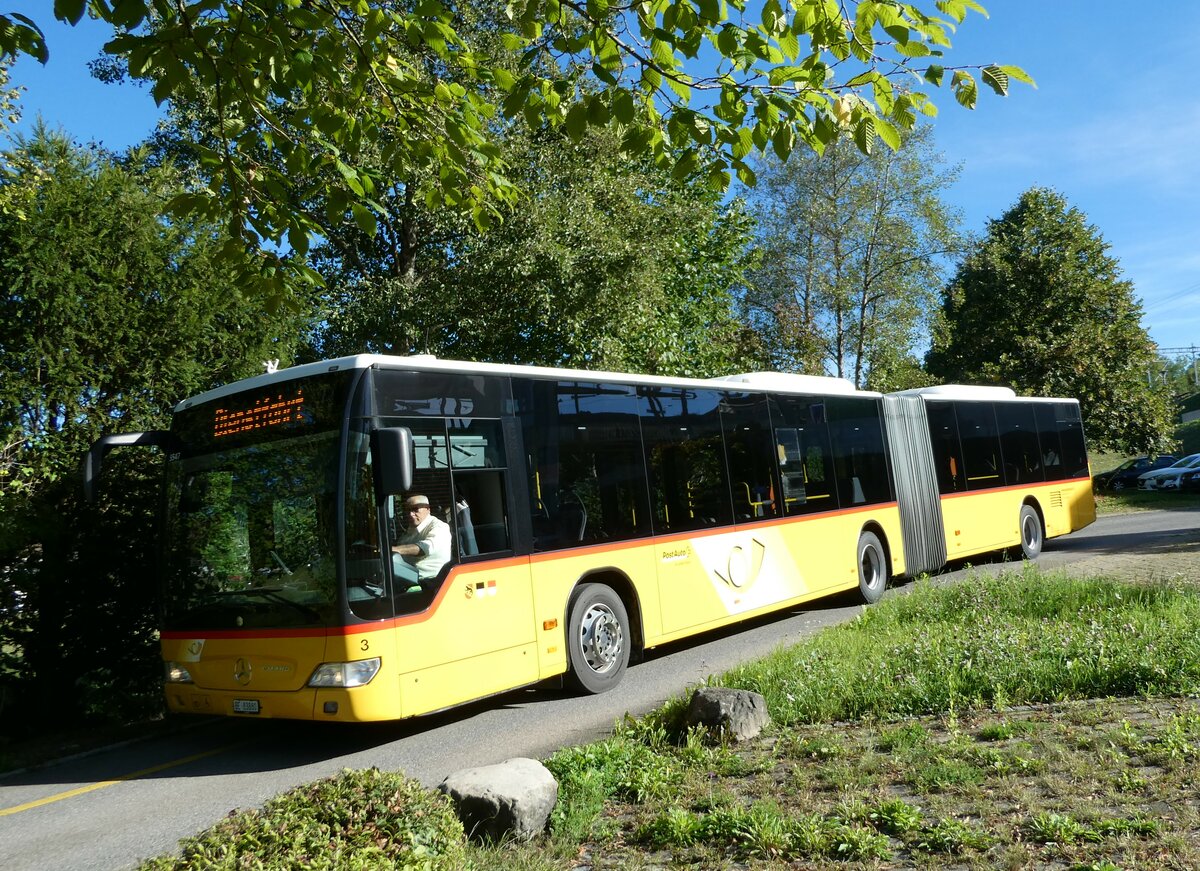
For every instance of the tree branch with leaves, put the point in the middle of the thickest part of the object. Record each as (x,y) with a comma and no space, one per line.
(700,85)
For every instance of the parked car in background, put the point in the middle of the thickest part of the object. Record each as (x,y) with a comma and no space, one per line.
(1189,482)
(1126,474)
(1168,478)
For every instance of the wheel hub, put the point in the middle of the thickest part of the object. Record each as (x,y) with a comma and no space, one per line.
(601,638)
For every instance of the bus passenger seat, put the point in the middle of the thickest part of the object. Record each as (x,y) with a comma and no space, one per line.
(467,546)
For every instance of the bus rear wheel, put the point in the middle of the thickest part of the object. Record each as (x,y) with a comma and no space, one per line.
(598,638)
(1031,532)
(872,568)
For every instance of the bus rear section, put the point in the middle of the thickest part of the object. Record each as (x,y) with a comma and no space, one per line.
(1003,471)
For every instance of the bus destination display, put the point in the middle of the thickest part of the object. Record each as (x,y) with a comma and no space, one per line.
(264,412)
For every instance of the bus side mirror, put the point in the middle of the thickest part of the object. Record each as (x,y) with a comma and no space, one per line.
(94,459)
(392,459)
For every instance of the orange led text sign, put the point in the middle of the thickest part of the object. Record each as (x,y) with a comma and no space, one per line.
(265,412)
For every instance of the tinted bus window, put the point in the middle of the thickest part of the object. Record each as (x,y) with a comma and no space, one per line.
(587,471)
(689,488)
(440,394)
(804,456)
(478,464)
(746,422)
(1019,443)
(980,440)
(947,451)
(1048,439)
(860,465)
(1070,433)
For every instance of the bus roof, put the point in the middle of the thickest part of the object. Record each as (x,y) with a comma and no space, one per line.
(976,392)
(776,382)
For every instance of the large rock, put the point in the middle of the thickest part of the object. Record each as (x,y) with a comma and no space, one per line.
(514,798)
(739,714)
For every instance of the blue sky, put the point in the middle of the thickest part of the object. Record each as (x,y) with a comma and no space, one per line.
(1113,125)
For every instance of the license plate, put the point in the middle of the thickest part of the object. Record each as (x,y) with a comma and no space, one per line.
(245,706)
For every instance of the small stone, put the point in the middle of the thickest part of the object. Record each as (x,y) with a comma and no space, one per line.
(739,714)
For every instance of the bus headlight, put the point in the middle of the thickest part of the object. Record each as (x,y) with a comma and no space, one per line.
(345,674)
(176,673)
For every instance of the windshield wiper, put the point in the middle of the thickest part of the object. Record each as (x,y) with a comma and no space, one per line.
(270,594)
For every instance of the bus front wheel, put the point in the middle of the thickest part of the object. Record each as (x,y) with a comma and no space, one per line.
(872,568)
(597,638)
(1031,532)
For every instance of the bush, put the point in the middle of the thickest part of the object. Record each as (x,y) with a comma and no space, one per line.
(1189,438)
(355,820)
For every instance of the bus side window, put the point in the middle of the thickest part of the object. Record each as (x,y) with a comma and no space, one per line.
(1049,440)
(478,509)
(947,452)
(859,461)
(746,422)
(685,454)
(431,479)
(587,479)
(1019,443)
(804,454)
(1070,433)
(980,444)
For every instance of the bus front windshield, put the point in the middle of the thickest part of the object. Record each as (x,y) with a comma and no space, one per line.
(251,536)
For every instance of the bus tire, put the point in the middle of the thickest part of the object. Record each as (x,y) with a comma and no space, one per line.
(1032,535)
(872,567)
(598,639)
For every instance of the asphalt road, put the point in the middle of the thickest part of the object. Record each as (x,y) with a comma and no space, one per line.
(108,810)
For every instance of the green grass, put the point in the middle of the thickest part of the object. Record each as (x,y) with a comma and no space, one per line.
(1028,720)
(1129,501)
(1014,639)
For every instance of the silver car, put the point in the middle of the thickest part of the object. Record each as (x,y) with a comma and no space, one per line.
(1168,478)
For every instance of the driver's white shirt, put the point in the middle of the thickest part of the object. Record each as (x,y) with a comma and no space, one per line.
(433,538)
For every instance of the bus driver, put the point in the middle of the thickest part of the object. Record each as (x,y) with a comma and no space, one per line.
(423,548)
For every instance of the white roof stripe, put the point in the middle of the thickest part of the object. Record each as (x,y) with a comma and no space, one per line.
(780,382)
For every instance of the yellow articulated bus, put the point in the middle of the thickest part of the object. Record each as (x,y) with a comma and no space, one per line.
(372,538)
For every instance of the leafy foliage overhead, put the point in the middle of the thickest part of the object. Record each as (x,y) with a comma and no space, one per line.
(697,84)
(1040,305)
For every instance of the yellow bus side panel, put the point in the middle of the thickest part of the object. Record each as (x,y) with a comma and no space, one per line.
(555,575)
(988,520)
(478,638)
(707,581)
(442,686)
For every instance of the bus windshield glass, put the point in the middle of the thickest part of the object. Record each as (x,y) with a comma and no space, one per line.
(251,535)
(250,522)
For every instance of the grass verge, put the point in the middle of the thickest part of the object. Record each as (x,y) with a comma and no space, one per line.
(1130,501)
(1028,720)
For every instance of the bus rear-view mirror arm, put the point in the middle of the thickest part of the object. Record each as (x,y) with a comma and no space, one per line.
(94,459)
(392,451)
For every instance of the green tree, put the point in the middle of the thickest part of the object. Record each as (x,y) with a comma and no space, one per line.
(608,264)
(1181,372)
(109,315)
(1040,305)
(853,246)
(696,84)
